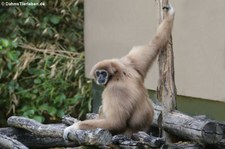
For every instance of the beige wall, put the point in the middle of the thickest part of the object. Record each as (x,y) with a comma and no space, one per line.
(112,27)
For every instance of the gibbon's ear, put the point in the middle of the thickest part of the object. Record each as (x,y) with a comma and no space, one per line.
(92,72)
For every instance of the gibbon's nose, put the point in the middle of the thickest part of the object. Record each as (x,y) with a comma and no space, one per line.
(101,80)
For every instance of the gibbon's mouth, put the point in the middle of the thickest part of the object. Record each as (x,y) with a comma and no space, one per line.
(104,82)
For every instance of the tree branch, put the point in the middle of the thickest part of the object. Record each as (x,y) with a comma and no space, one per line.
(8,143)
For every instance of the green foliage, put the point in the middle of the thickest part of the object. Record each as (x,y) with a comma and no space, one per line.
(42,61)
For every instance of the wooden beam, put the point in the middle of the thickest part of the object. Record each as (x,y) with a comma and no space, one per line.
(166,89)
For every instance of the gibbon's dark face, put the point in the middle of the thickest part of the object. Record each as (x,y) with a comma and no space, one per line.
(102,77)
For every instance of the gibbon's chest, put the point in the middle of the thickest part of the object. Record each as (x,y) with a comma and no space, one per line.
(118,91)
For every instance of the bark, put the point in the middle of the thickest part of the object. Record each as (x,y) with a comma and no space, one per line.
(195,129)
(198,129)
(148,140)
(50,135)
(166,90)
(9,143)
(68,120)
(36,127)
(221,144)
(32,134)
(95,137)
(35,141)
(183,145)
(138,140)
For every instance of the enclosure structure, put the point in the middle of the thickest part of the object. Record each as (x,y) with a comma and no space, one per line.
(112,28)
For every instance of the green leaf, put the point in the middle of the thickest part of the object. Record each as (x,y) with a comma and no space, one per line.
(74,9)
(29,113)
(55,19)
(14,44)
(5,43)
(9,65)
(39,118)
(59,99)
(35,91)
(60,113)
(37,81)
(52,111)
(12,55)
(43,107)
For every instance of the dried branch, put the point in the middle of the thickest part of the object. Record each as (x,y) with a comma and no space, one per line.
(61,53)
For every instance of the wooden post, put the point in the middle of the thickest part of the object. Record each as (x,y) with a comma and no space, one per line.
(166,90)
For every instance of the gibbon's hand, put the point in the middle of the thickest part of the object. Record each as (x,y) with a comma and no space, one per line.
(169,8)
(70,129)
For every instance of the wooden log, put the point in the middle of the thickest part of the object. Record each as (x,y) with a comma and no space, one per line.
(138,140)
(40,135)
(123,142)
(36,127)
(157,119)
(149,140)
(9,143)
(68,120)
(166,89)
(34,141)
(222,125)
(183,145)
(94,137)
(221,144)
(199,130)
(51,132)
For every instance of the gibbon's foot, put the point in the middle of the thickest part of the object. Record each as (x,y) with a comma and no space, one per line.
(70,129)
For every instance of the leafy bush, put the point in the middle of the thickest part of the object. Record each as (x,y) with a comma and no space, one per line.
(42,61)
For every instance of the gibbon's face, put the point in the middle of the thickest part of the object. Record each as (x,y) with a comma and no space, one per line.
(102,77)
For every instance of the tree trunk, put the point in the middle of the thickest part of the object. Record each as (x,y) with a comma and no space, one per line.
(166,90)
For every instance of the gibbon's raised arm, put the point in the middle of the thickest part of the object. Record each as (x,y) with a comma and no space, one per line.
(142,57)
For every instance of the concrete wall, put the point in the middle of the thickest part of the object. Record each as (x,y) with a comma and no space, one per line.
(112,27)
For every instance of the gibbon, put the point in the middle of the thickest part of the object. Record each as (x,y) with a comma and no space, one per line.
(126,105)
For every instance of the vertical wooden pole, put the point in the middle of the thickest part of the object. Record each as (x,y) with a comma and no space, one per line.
(166,90)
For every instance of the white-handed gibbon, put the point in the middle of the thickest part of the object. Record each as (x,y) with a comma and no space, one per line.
(126,105)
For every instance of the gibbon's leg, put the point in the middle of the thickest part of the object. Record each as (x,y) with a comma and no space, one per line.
(111,125)
(142,57)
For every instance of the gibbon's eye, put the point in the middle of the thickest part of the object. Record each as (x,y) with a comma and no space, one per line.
(104,73)
(97,73)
